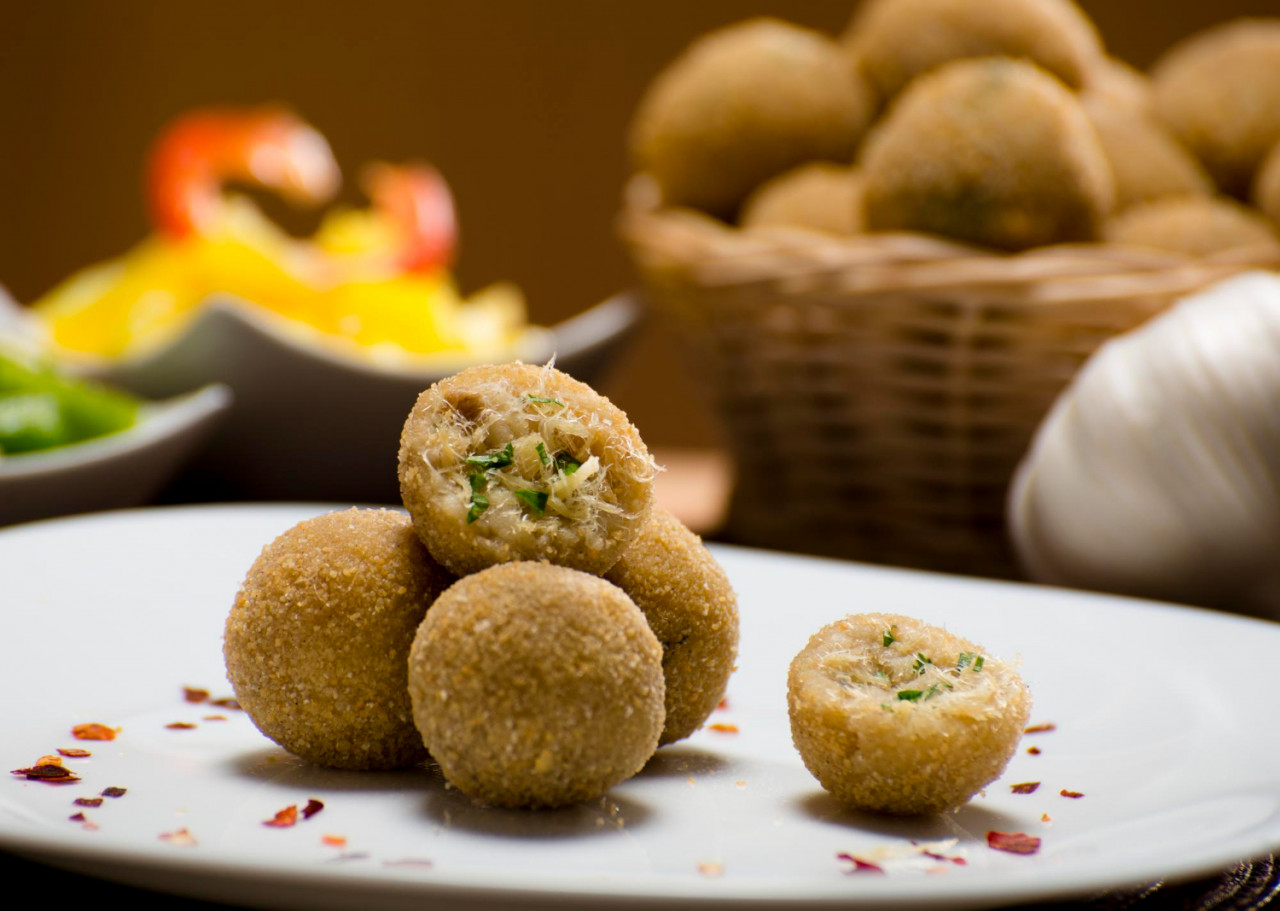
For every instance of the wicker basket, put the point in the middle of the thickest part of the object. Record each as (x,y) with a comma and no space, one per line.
(878,392)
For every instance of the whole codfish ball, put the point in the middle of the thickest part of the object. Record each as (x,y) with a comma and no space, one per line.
(1146,161)
(1219,92)
(894,715)
(821,196)
(898,40)
(689,604)
(317,640)
(1195,225)
(992,151)
(518,462)
(535,685)
(743,104)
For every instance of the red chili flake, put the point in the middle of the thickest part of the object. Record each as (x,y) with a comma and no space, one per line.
(1013,842)
(284,819)
(180,726)
(1034,751)
(1074,795)
(959,861)
(312,808)
(74,752)
(859,865)
(1045,817)
(113,791)
(226,702)
(723,705)
(1025,787)
(192,694)
(179,837)
(78,817)
(724,728)
(333,841)
(88,801)
(93,732)
(1040,728)
(710,869)
(49,760)
(48,772)
(214,718)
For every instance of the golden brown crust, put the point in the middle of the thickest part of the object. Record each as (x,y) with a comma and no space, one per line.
(1195,225)
(995,152)
(822,196)
(1219,92)
(876,749)
(1146,161)
(535,685)
(589,516)
(690,606)
(1266,189)
(743,104)
(318,637)
(899,40)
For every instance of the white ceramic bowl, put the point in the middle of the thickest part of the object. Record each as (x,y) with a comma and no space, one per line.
(118,470)
(311,422)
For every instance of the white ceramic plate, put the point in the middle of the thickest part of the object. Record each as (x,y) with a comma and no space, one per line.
(1165,722)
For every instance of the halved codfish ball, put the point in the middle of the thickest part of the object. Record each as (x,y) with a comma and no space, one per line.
(690,606)
(536,686)
(519,462)
(317,640)
(893,715)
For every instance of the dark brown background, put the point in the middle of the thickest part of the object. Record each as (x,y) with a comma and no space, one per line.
(522,104)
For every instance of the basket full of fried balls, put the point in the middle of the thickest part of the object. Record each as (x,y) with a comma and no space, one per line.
(889,251)
(533,625)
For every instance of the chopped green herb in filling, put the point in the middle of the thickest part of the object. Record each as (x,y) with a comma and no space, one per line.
(969,658)
(910,695)
(542,454)
(921,662)
(479,502)
(543,400)
(500,459)
(536,500)
(567,463)
(890,636)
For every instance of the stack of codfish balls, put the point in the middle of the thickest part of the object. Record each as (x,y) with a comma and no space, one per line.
(535,625)
(1003,124)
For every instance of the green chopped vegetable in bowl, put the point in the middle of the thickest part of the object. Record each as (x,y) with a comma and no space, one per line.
(43,409)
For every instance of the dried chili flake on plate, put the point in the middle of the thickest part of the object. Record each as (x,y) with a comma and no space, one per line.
(859,865)
(73,752)
(284,818)
(1074,795)
(226,702)
(88,801)
(1042,728)
(711,869)
(724,728)
(180,726)
(1025,787)
(113,791)
(180,837)
(1013,842)
(93,731)
(194,694)
(334,841)
(48,772)
(1034,751)
(214,718)
(312,808)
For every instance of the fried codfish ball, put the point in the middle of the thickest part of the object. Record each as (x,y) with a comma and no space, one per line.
(518,462)
(893,715)
(1219,92)
(689,604)
(995,152)
(536,686)
(1117,86)
(318,638)
(743,104)
(1195,225)
(822,196)
(898,40)
(1146,161)
(1266,188)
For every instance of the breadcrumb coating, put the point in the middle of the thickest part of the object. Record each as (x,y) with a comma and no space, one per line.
(689,604)
(1266,188)
(317,640)
(993,151)
(1195,225)
(898,40)
(519,462)
(894,715)
(743,104)
(536,686)
(1146,161)
(822,196)
(1219,92)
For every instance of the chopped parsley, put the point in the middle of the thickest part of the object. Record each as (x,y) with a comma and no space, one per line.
(969,658)
(499,459)
(536,500)
(479,502)
(542,454)
(910,695)
(921,662)
(543,400)
(567,463)
(890,636)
